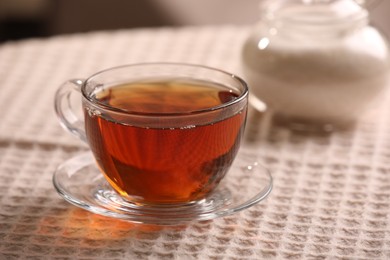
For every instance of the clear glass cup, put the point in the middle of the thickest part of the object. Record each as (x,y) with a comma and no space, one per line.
(161,133)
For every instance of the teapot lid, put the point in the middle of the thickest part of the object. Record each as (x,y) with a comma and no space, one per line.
(315,11)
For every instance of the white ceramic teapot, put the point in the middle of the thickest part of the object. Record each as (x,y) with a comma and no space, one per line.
(316,63)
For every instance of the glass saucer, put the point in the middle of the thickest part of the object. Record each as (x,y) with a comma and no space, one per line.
(79,182)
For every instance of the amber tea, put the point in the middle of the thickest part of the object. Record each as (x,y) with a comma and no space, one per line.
(176,160)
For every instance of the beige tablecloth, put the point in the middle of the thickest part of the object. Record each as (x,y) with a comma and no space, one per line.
(331,196)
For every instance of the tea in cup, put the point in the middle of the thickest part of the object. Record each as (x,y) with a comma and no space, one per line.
(160,133)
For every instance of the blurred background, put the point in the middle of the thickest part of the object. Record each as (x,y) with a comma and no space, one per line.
(21,19)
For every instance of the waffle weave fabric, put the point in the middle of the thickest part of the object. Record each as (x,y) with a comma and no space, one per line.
(331,195)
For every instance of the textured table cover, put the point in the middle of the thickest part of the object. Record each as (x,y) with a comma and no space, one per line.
(331,196)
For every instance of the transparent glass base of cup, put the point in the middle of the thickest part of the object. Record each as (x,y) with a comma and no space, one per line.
(79,182)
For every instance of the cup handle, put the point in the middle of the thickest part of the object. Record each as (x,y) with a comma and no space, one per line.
(65,111)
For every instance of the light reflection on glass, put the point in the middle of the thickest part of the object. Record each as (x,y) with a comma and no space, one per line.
(263,43)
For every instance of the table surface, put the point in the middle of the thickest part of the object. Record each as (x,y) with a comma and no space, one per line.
(331,195)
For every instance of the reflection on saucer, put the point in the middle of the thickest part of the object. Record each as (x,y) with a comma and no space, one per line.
(79,182)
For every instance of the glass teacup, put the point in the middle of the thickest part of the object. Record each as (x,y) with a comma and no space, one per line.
(161,133)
